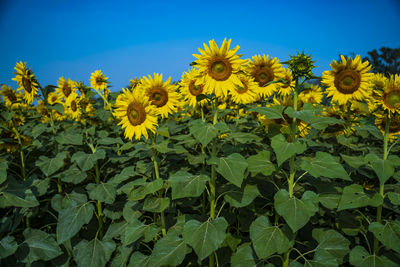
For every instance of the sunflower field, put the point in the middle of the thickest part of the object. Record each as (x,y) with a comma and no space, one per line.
(243,162)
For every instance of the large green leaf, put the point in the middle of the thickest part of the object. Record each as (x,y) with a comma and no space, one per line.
(359,257)
(169,250)
(71,220)
(3,171)
(324,165)
(17,195)
(121,257)
(110,141)
(232,168)
(273,112)
(69,139)
(353,196)
(124,175)
(116,230)
(388,234)
(384,169)
(87,161)
(50,165)
(284,150)
(8,246)
(73,175)
(94,253)
(104,192)
(239,198)
(296,212)
(243,257)
(394,198)
(156,204)
(146,189)
(203,132)
(244,138)
(205,237)
(267,239)
(185,184)
(42,246)
(330,241)
(133,231)
(138,260)
(261,163)
(353,161)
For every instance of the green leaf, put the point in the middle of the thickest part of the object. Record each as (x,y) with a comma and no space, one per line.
(138,260)
(203,132)
(353,196)
(8,246)
(239,198)
(353,161)
(384,169)
(169,250)
(40,186)
(51,165)
(133,231)
(110,141)
(121,257)
(71,220)
(244,138)
(130,212)
(185,184)
(42,246)
(359,257)
(115,230)
(73,175)
(394,198)
(17,195)
(58,107)
(39,129)
(69,139)
(87,161)
(149,188)
(95,253)
(329,200)
(232,168)
(104,192)
(205,237)
(124,175)
(261,163)
(284,150)
(3,171)
(154,204)
(243,257)
(330,241)
(388,234)
(267,239)
(324,165)
(296,212)
(273,112)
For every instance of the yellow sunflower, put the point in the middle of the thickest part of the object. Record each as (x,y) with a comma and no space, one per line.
(12,99)
(136,113)
(265,69)
(348,79)
(287,88)
(98,80)
(390,99)
(80,86)
(26,81)
(218,68)
(313,95)
(53,98)
(394,127)
(161,94)
(245,94)
(190,90)
(43,111)
(378,82)
(18,120)
(72,107)
(65,87)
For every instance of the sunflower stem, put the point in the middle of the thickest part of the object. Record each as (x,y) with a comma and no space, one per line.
(100,214)
(21,152)
(286,259)
(292,164)
(382,185)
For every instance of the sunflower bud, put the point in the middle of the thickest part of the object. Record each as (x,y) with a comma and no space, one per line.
(301,65)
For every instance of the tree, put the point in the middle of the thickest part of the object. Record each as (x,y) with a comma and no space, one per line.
(386,60)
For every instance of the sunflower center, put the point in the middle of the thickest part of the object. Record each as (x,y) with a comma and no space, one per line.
(347,81)
(195,89)
(11,96)
(26,83)
(220,69)
(393,99)
(74,106)
(287,83)
(158,96)
(54,98)
(66,90)
(264,75)
(242,89)
(99,81)
(136,113)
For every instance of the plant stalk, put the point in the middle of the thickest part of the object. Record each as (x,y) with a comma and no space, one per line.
(100,213)
(163,229)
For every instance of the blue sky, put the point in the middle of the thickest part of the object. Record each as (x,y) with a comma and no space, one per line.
(136,38)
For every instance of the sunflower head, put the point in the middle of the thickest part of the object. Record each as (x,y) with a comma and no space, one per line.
(287,87)
(246,94)
(394,126)
(390,99)
(72,107)
(136,114)
(190,90)
(82,88)
(53,98)
(314,95)
(65,87)
(98,80)
(11,98)
(26,81)
(301,65)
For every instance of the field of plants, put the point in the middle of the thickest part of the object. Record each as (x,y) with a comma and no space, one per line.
(243,162)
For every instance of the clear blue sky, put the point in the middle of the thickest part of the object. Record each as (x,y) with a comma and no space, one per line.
(136,38)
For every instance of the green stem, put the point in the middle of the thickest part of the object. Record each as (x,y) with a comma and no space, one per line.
(163,229)
(100,214)
(21,152)
(286,259)
(292,164)
(382,185)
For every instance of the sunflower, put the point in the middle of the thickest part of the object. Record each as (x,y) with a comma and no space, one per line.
(190,90)
(218,68)
(348,79)
(98,80)
(136,113)
(390,99)
(313,95)
(65,87)
(12,99)
(43,111)
(161,94)
(286,88)
(394,126)
(80,86)
(264,70)
(18,120)
(245,94)
(72,107)
(26,81)
(53,98)
(378,82)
